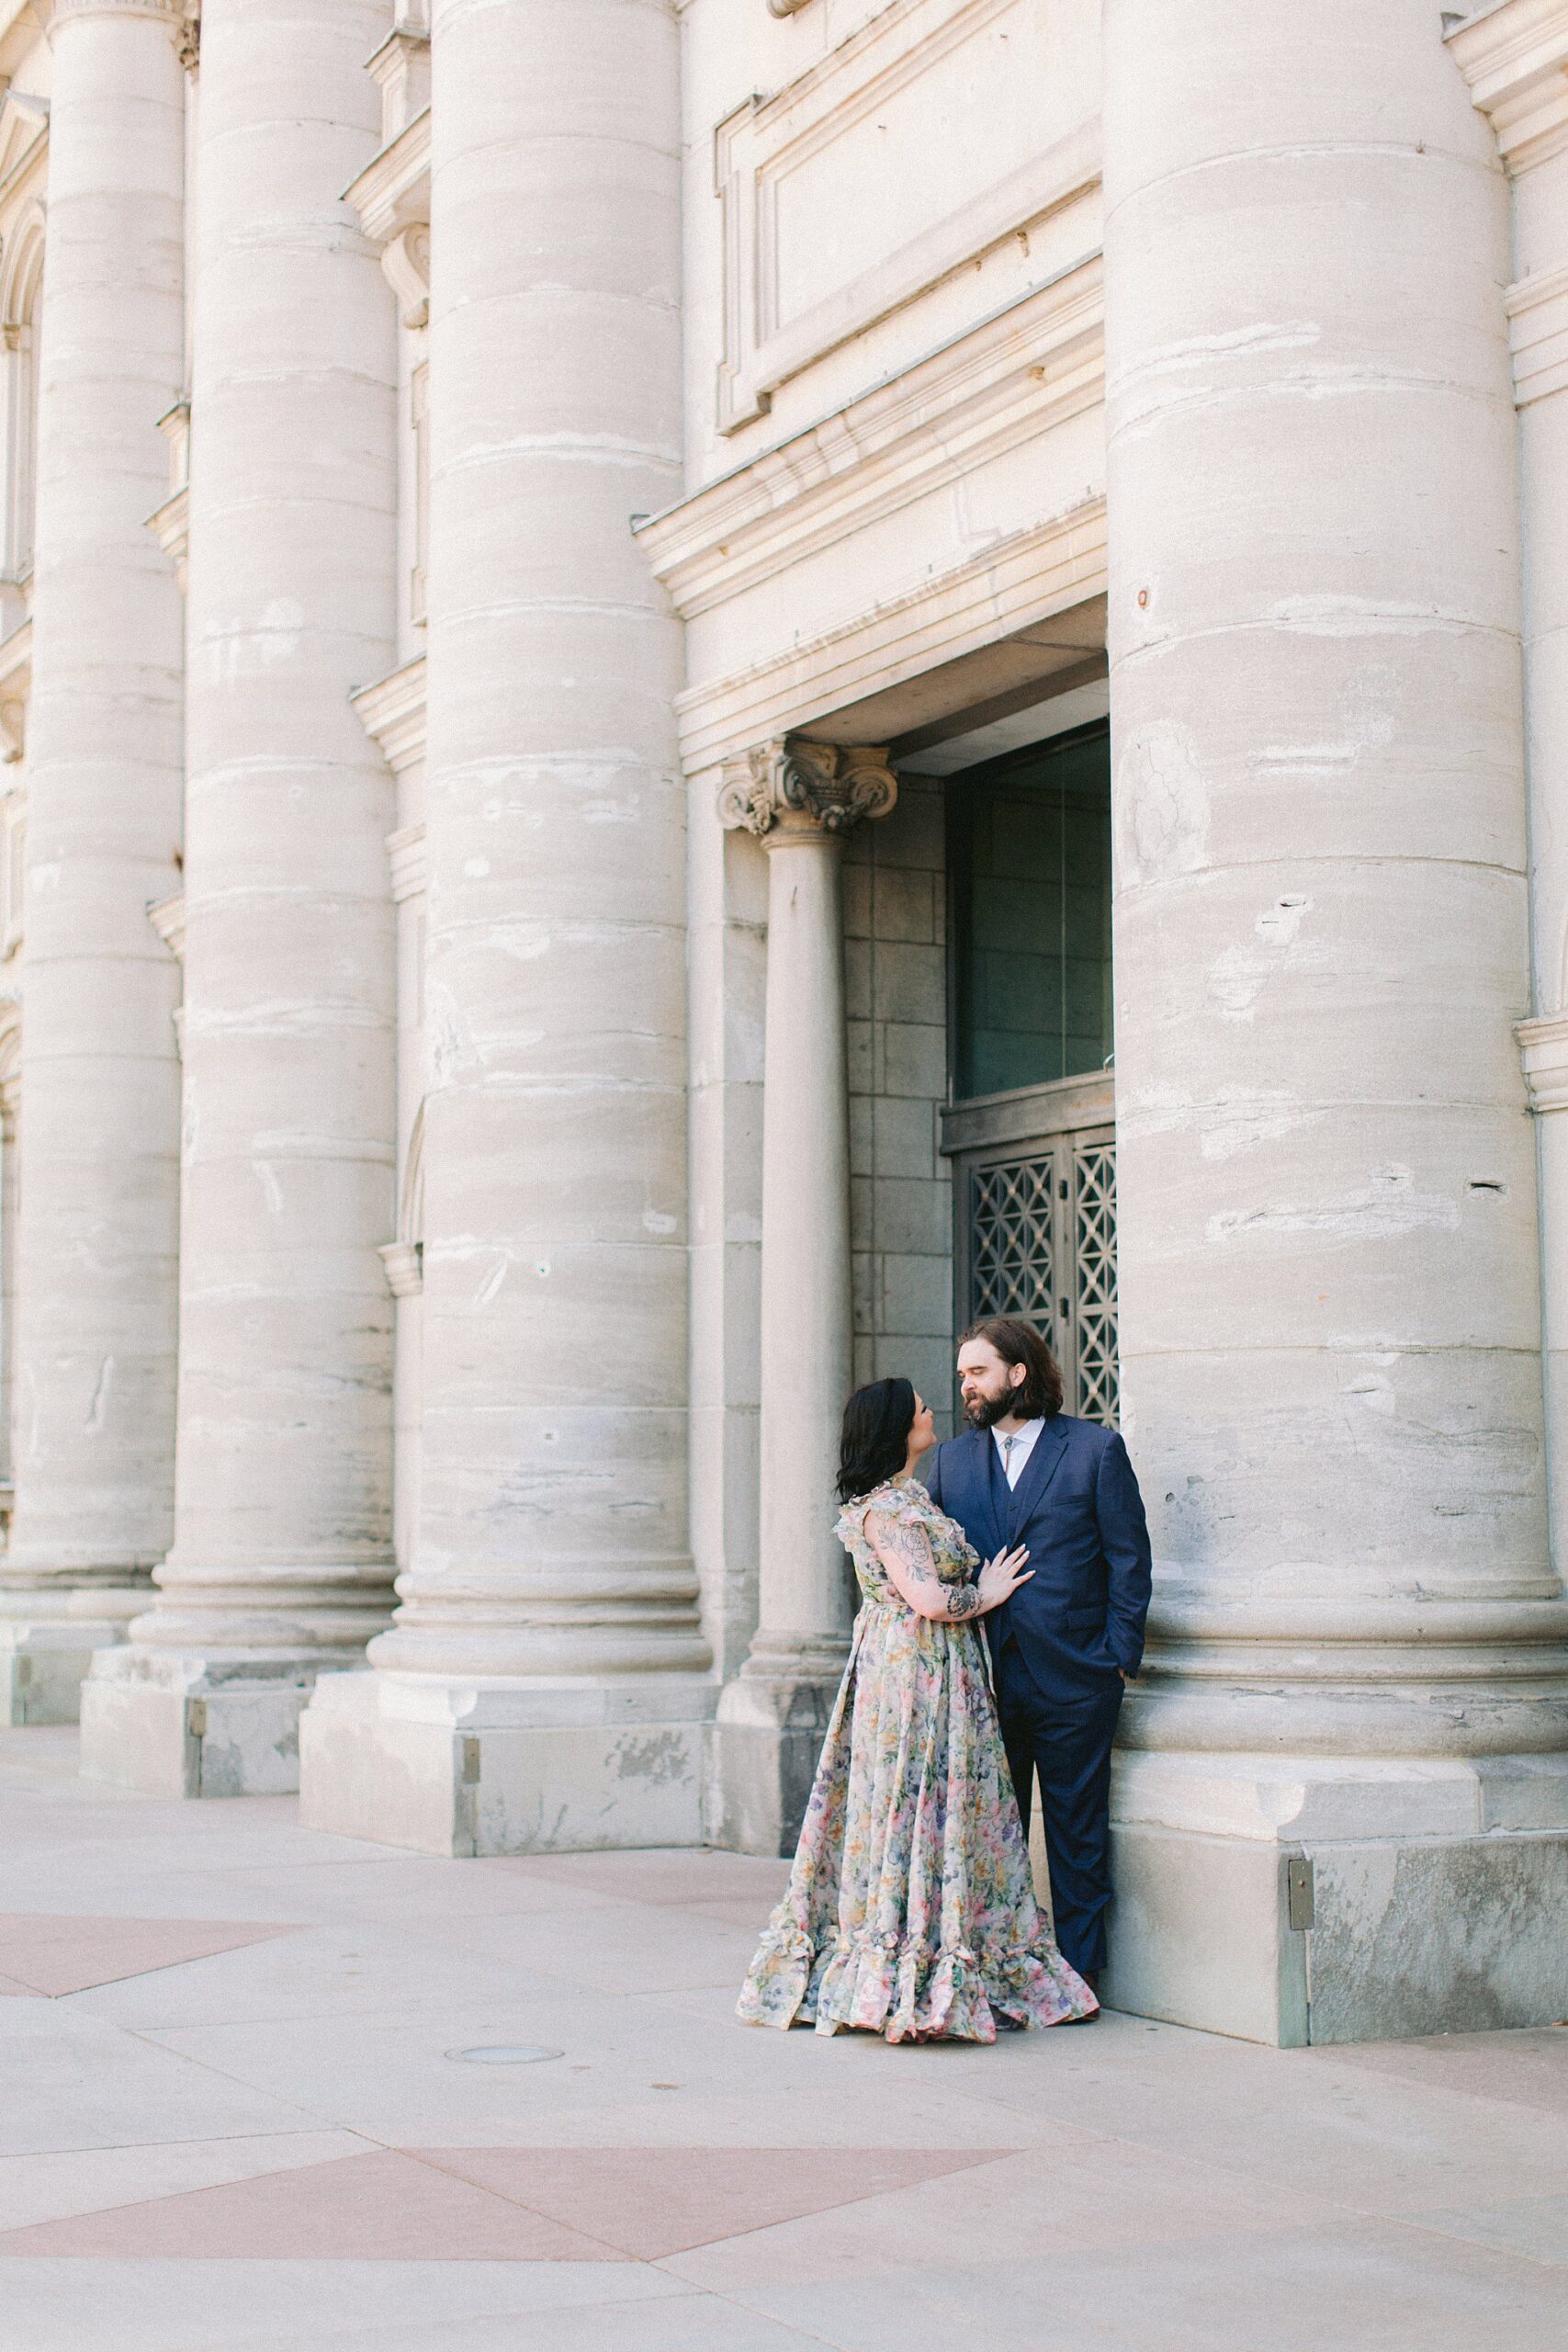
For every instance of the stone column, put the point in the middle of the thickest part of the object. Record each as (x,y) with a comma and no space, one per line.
(1521,83)
(281,1564)
(545,1681)
(1348,1741)
(802,800)
(97,1246)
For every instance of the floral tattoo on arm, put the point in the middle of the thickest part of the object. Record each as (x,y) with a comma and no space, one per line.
(911,1548)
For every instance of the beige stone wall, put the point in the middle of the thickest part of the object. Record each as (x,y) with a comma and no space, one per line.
(900,1187)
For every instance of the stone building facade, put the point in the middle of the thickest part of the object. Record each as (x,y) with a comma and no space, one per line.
(685,687)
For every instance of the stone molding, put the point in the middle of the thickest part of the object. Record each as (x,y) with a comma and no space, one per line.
(401,70)
(58,12)
(405,264)
(392,193)
(391,712)
(1016,375)
(15,692)
(762,144)
(167,917)
(1543,1054)
(404,1262)
(786,7)
(24,132)
(1020,579)
(169,523)
(780,790)
(406,862)
(1538,333)
(1514,59)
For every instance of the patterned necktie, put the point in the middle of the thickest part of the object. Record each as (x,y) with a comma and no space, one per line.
(1007,1444)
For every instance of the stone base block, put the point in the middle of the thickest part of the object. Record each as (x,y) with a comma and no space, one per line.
(186,1727)
(452,1769)
(46,1652)
(1296,1900)
(767,1739)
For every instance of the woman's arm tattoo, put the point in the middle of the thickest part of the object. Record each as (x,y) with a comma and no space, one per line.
(909,1546)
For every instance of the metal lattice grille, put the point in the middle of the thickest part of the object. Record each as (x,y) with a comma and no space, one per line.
(1094,1188)
(1042,1242)
(1012,1259)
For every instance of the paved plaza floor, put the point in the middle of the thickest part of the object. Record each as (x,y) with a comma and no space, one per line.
(236,2110)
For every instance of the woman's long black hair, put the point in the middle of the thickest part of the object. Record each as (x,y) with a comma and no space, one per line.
(875,1441)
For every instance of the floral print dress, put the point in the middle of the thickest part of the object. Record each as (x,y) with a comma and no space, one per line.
(910,1910)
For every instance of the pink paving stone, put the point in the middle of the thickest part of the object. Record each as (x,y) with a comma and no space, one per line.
(382,2206)
(47,1952)
(652,2202)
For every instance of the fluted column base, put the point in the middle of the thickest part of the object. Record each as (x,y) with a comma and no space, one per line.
(203,1699)
(767,1738)
(442,1765)
(47,1637)
(1296,1899)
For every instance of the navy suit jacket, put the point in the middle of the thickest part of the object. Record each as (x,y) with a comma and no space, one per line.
(1078,1508)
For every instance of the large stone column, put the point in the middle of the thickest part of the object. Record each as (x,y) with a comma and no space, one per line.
(544,1683)
(281,1563)
(1346,1811)
(802,800)
(96,1260)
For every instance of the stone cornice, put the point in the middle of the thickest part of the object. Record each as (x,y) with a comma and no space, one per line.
(392,193)
(1026,577)
(1538,335)
(1543,1053)
(392,714)
(779,791)
(405,862)
(23,143)
(167,917)
(1514,58)
(1030,367)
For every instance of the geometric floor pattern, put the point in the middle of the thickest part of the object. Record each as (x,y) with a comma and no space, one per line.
(42,1953)
(497,2205)
(241,2110)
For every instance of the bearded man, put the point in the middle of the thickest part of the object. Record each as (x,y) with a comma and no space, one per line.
(1071,1637)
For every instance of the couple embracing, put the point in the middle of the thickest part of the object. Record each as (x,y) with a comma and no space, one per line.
(910,1910)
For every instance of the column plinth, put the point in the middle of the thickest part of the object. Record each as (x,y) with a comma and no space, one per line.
(97,1251)
(546,1684)
(281,1566)
(1343,1803)
(801,799)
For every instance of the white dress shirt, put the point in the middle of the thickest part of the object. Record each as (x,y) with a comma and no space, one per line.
(1015,1446)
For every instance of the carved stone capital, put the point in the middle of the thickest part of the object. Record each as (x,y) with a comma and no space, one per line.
(797,786)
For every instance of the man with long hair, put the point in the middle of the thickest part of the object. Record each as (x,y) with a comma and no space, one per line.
(1068,1641)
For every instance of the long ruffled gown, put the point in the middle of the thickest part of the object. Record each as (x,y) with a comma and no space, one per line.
(910,1910)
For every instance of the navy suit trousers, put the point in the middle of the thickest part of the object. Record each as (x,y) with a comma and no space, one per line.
(1067,1740)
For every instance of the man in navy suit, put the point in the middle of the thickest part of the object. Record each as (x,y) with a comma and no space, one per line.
(1071,1637)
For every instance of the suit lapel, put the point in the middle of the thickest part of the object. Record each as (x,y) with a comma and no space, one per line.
(977,1497)
(1041,1466)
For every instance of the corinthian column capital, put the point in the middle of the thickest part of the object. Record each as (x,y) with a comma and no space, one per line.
(795,786)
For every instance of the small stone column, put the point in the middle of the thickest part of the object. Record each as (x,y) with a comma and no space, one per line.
(1348,1743)
(545,1682)
(802,800)
(282,1563)
(97,1251)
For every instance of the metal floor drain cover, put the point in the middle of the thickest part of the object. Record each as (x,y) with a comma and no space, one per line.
(507,2054)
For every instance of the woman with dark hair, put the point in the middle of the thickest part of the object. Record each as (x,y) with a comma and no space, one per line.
(910,1910)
